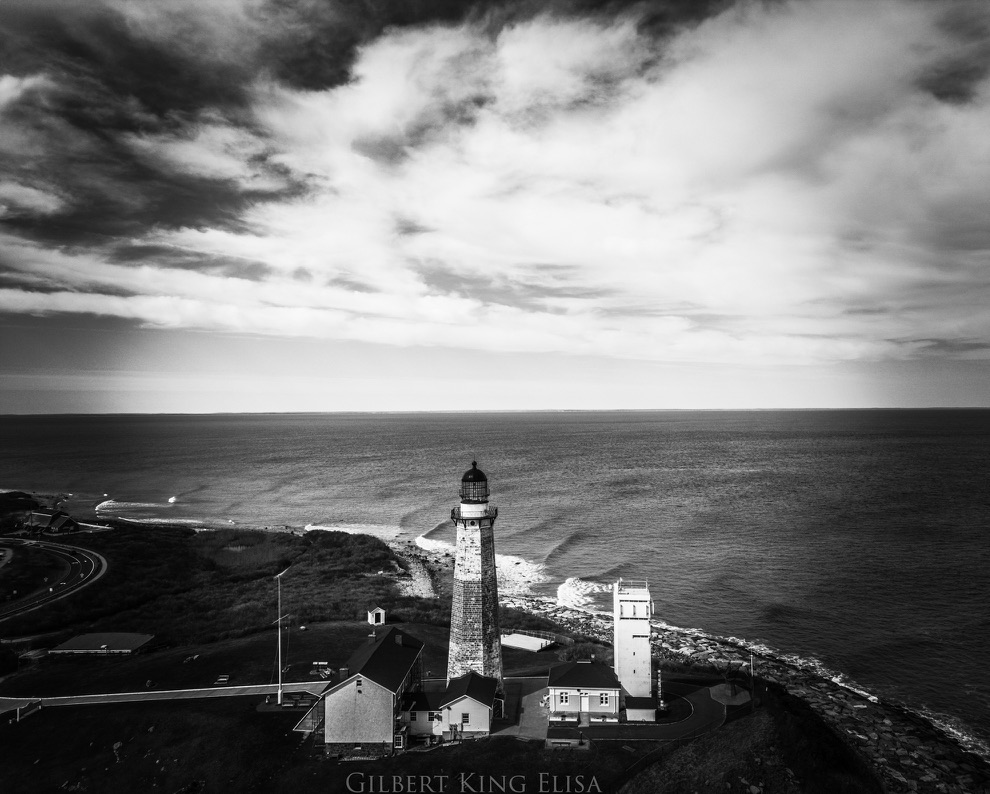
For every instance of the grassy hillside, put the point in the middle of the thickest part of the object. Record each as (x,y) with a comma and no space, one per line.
(188,586)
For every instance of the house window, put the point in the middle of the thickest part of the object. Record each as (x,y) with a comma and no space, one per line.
(412,716)
(397,742)
(435,716)
(465,718)
(563,698)
(603,699)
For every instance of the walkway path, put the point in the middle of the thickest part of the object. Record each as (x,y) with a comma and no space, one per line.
(181,694)
(522,705)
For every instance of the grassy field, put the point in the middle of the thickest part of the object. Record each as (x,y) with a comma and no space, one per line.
(184,586)
(247,660)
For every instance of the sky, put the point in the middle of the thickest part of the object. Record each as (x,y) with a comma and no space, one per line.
(331,205)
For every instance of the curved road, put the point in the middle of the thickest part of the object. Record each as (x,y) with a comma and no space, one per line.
(85,567)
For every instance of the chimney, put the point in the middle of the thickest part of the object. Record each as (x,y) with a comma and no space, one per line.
(344,673)
(372,637)
(398,638)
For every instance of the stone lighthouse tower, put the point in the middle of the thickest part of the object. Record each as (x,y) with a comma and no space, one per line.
(475,641)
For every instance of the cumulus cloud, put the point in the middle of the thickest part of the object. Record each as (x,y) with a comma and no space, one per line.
(777,183)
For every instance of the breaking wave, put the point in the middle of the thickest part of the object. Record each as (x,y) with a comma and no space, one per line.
(578,593)
(112,505)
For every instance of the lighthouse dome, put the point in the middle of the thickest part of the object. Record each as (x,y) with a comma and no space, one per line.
(474,485)
(474,474)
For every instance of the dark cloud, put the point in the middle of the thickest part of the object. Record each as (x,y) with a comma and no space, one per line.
(407,227)
(351,284)
(168,256)
(950,346)
(957,79)
(115,72)
(499,289)
(90,44)
(319,39)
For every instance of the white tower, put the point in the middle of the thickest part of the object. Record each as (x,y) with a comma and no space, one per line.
(475,640)
(633,660)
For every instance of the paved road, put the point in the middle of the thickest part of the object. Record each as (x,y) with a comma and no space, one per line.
(85,567)
(182,694)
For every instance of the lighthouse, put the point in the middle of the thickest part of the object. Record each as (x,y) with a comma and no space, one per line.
(475,641)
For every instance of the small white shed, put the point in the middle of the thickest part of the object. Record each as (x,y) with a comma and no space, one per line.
(376,616)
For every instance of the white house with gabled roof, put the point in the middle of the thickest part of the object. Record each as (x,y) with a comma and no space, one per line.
(362,711)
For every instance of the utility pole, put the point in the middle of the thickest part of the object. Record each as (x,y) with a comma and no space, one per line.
(278,578)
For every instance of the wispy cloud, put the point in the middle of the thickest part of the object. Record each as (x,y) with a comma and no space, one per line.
(776,183)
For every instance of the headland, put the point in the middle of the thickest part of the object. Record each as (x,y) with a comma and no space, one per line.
(901,748)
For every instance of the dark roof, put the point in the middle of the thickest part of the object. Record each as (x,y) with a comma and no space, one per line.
(422,701)
(590,675)
(474,474)
(387,660)
(44,516)
(62,520)
(641,703)
(477,687)
(115,641)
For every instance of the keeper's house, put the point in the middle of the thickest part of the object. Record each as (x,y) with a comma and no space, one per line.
(464,710)
(582,692)
(362,712)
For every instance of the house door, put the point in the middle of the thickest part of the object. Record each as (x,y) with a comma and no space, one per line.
(585,703)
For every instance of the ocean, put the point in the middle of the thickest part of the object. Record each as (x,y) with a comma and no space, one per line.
(853,542)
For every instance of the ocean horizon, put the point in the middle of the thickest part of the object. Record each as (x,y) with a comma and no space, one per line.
(850,541)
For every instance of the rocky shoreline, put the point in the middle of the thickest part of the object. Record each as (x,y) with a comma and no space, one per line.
(908,752)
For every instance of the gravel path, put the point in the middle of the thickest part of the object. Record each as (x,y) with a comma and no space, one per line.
(421,583)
